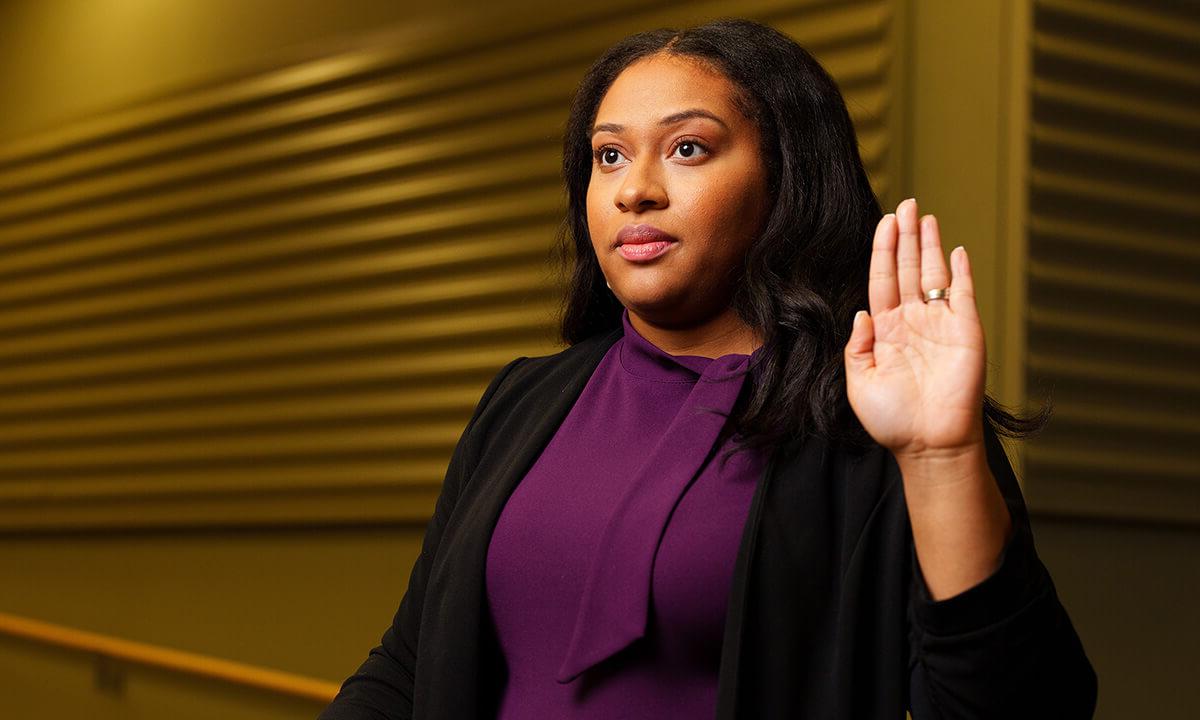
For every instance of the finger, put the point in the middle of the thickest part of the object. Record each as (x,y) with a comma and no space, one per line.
(962,286)
(908,253)
(933,263)
(882,290)
(860,349)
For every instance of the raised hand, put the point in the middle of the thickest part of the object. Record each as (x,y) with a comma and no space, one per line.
(915,367)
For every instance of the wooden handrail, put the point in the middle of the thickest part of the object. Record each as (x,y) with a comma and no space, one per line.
(186,663)
(177,661)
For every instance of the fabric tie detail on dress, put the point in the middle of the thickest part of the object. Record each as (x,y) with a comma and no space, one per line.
(614,609)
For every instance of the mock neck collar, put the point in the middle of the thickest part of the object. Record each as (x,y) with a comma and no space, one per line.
(644,359)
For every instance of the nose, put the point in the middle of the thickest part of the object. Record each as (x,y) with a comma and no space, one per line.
(641,189)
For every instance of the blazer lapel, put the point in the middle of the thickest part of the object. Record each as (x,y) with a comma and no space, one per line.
(456,646)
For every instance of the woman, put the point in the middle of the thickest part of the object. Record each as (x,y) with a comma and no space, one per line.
(735,493)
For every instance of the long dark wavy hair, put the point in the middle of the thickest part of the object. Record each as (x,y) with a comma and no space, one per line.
(806,274)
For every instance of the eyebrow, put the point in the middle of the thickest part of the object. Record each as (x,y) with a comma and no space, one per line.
(668,120)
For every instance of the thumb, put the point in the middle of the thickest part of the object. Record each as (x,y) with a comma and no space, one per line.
(860,349)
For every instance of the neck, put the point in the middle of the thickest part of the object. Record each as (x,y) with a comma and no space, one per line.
(722,334)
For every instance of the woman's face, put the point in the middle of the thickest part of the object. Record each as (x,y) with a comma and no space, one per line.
(678,190)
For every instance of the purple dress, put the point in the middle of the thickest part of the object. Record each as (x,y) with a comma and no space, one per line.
(609,569)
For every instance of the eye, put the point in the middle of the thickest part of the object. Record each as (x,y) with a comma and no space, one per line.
(690,149)
(607,155)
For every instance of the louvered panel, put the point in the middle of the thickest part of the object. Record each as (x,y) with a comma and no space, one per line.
(1135,152)
(377,119)
(1172,209)
(312,304)
(277,299)
(391,81)
(1074,234)
(126,258)
(247,184)
(217,448)
(338,195)
(491,250)
(1114,258)
(245,113)
(320,376)
(448,402)
(238,482)
(363,336)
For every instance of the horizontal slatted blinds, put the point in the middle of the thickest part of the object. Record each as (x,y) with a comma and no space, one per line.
(1114,297)
(277,299)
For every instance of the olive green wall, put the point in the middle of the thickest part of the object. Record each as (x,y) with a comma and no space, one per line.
(953,157)
(1129,586)
(282,599)
(314,600)
(307,601)
(310,601)
(62,59)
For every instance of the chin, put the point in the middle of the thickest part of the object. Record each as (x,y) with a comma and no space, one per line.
(645,292)
(660,310)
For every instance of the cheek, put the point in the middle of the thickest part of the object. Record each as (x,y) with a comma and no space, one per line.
(594,216)
(728,210)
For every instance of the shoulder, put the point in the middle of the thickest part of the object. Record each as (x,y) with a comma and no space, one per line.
(528,383)
(568,362)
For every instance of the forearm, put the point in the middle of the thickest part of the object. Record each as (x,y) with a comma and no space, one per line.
(960,522)
(990,637)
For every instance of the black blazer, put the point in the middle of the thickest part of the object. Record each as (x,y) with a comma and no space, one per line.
(828,616)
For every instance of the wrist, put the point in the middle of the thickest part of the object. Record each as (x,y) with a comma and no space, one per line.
(939,467)
(960,520)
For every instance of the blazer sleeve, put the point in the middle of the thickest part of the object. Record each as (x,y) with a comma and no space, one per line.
(382,687)
(1004,648)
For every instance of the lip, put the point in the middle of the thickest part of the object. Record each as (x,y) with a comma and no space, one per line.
(641,235)
(643,243)
(643,252)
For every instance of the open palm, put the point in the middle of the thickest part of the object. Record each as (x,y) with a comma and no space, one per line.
(915,368)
